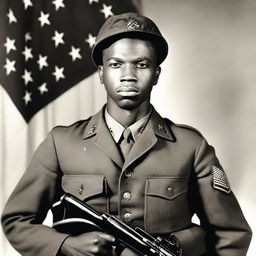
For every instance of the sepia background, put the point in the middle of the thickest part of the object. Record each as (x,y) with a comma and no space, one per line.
(207,81)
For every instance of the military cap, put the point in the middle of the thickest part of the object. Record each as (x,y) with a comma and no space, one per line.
(129,25)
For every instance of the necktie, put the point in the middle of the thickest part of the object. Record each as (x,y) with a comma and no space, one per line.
(126,142)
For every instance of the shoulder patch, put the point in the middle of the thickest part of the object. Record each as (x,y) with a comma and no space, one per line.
(184,126)
(220,180)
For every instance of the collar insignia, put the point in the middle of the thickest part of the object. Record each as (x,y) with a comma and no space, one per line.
(162,128)
(92,129)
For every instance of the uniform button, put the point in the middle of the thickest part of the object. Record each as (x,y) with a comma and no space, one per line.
(169,190)
(128,173)
(127,196)
(128,216)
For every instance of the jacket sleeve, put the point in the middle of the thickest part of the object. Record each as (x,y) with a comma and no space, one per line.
(227,232)
(29,203)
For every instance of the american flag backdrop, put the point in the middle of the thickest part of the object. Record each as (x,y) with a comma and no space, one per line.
(45,46)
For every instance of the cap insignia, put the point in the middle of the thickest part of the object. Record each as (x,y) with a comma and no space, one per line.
(133,25)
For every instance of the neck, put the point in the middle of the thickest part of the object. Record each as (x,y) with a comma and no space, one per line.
(127,117)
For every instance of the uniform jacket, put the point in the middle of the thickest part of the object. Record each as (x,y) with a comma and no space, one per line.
(168,176)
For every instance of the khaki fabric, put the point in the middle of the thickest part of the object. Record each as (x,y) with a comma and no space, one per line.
(167,178)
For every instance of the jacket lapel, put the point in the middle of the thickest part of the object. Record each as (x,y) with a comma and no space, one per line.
(156,127)
(99,132)
(145,142)
(98,129)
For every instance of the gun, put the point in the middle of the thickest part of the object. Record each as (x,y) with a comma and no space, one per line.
(138,240)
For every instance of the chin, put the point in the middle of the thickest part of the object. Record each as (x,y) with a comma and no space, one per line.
(129,104)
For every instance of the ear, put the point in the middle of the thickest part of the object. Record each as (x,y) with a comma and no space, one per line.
(157,74)
(100,72)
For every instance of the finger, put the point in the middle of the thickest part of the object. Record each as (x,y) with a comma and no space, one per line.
(127,252)
(101,252)
(106,237)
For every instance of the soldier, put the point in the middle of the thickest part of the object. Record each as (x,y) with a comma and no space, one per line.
(129,161)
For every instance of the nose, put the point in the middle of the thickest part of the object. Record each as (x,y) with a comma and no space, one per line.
(128,74)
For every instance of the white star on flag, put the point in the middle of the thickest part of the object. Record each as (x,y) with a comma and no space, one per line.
(58,4)
(28,36)
(43,88)
(74,53)
(42,61)
(11,17)
(27,53)
(58,38)
(107,11)
(91,1)
(27,3)
(44,19)
(27,77)
(9,66)
(91,40)
(45,44)
(27,97)
(58,73)
(9,45)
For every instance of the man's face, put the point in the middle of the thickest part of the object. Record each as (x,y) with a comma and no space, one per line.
(129,72)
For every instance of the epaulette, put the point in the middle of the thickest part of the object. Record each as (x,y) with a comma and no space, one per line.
(77,123)
(184,126)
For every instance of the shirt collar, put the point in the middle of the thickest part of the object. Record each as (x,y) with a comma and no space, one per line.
(116,129)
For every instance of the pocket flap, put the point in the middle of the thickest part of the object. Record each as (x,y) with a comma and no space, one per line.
(166,187)
(83,186)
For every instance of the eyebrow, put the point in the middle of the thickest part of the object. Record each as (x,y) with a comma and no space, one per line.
(114,58)
(136,60)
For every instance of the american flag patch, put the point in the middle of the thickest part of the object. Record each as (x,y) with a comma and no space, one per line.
(220,180)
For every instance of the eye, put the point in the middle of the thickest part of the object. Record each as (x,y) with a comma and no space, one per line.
(115,65)
(142,65)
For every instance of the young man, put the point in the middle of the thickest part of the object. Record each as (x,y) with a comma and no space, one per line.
(155,175)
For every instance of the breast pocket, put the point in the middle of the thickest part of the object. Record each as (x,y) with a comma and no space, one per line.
(166,206)
(89,188)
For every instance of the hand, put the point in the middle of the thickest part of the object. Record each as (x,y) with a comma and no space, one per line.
(127,252)
(89,244)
